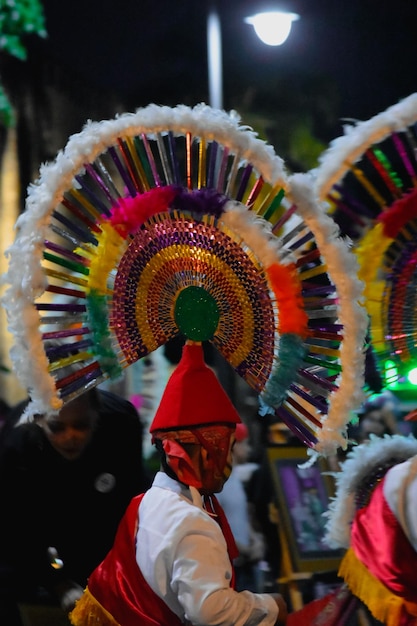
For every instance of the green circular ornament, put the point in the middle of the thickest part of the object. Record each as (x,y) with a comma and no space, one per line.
(196,314)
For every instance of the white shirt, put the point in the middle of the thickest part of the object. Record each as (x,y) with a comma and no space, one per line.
(183,556)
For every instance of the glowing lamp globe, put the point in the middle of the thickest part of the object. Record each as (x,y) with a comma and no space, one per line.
(272,27)
(412,376)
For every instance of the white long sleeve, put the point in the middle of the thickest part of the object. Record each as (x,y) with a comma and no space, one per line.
(182,554)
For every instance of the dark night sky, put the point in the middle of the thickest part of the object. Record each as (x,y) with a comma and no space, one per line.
(360,53)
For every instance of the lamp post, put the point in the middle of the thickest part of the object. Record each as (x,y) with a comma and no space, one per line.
(272,28)
(215,61)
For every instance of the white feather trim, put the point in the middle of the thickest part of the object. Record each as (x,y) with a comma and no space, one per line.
(254,231)
(347,149)
(342,268)
(360,463)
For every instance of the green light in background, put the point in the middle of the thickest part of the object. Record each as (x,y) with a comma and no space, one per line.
(390,373)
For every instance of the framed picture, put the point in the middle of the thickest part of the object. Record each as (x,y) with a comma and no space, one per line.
(302,495)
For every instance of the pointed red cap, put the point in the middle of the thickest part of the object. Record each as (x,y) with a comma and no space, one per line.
(193,396)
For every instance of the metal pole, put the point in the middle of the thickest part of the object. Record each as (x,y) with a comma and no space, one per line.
(215,62)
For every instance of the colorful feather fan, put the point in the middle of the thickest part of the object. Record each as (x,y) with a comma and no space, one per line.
(180,221)
(369,179)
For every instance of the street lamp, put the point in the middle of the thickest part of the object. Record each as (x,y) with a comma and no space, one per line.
(272,28)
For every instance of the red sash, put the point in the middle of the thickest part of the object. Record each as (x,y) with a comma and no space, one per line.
(119,586)
(117,592)
(381,545)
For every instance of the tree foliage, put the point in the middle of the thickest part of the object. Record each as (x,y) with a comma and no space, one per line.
(18,20)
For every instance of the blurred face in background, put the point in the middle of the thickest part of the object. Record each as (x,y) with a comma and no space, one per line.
(378,421)
(241,451)
(70,431)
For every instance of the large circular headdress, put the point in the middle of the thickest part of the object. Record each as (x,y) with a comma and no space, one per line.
(176,221)
(369,178)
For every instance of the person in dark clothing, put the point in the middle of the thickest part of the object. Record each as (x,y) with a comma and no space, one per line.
(65,482)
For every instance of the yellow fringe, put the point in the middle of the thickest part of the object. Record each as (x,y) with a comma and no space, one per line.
(383,604)
(89,612)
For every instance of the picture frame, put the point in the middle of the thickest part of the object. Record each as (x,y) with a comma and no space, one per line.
(301,496)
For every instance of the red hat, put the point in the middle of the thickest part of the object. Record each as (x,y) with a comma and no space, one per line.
(193,396)
(242,432)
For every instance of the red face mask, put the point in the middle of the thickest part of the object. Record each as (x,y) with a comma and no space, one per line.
(212,468)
